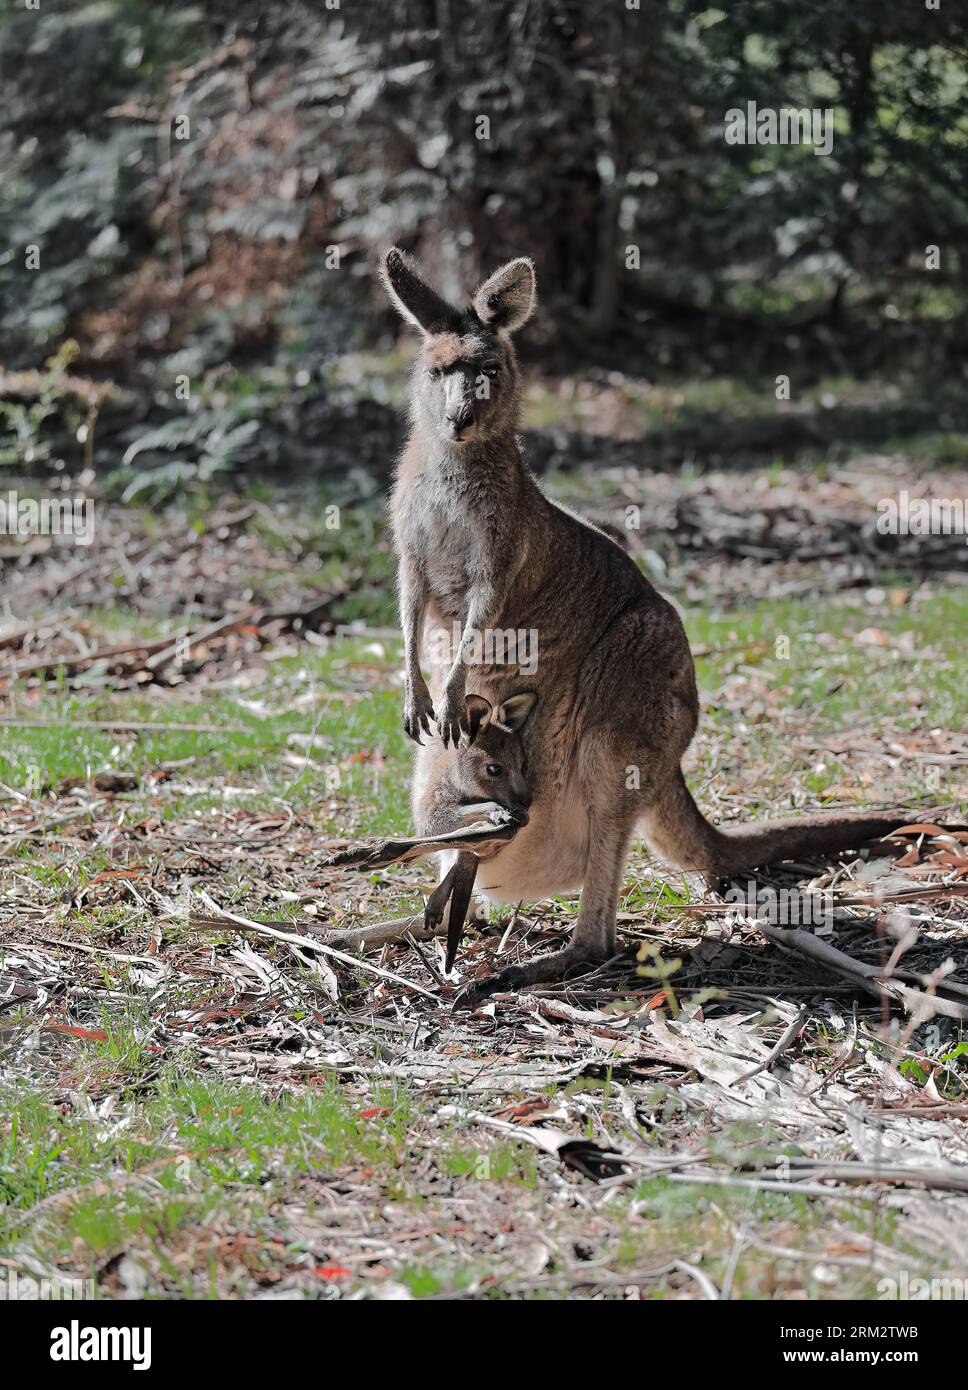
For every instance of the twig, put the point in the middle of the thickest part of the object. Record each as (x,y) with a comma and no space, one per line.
(309,943)
(53,663)
(124,725)
(868,977)
(184,644)
(787,1038)
(382,933)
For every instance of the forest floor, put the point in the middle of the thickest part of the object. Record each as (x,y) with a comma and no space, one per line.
(198,1099)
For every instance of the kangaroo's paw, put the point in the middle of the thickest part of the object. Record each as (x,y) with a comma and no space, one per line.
(418,713)
(452,718)
(543,970)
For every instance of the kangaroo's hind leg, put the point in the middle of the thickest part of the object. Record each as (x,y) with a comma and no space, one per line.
(593,939)
(456,888)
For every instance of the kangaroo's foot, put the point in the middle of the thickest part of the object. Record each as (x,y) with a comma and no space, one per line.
(558,966)
(438,900)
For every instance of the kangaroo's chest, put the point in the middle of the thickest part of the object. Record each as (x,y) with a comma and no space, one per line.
(448,541)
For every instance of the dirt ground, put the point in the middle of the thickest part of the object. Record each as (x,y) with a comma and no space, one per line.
(209,1090)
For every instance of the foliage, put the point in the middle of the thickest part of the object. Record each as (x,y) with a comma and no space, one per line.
(209,187)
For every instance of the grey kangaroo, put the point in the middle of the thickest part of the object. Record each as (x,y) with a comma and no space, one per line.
(480,778)
(481,546)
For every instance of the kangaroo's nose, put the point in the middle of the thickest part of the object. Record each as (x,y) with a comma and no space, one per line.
(460,419)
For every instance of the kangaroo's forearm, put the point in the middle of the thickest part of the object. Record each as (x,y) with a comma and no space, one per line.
(483,613)
(414,601)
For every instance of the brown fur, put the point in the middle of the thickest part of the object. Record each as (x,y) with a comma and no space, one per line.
(480,545)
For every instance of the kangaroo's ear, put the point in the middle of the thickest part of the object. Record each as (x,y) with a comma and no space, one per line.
(479,712)
(506,300)
(412,296)
(516,711)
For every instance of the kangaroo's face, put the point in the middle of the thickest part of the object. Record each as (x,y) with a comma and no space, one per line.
(467,378)
(466,383)
(491,765)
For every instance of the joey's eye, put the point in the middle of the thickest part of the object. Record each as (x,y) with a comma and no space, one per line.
(434,373)
(493,769)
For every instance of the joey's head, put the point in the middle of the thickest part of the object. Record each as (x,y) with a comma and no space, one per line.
(490,765)
(466,383)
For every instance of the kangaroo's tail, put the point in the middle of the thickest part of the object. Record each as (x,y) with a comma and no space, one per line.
(678,831)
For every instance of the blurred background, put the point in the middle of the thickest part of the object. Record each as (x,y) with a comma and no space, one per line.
(209,187)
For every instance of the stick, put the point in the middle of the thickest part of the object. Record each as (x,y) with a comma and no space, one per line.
(309,943)
(53,663)
(124,725)
(384,933)
(777,1051)
(868,977)
(901,895)
(184,644)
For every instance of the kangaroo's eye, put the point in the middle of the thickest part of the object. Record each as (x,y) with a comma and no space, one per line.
(493,769)
(490,371)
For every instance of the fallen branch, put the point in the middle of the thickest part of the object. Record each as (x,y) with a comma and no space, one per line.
(182,646)
(788,1036)
(124,726)
(868,977)
(871,900)
(382,934)
(157,653)
(32,665)
(309,943)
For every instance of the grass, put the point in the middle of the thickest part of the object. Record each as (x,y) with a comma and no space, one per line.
(243,744)
(129,1164)
(908,675)
(236,1178)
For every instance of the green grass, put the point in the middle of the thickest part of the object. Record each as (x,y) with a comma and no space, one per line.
(181,1162)
(833,685)
(829,680)
(244,747)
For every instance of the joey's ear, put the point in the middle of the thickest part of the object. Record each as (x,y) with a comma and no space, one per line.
(506,300)
(412,296)
(516,711)
(479,712)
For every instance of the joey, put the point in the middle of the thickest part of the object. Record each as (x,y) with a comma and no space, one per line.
(482,778)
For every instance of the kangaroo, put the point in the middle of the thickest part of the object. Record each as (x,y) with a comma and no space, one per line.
(482,547)
(482,777)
